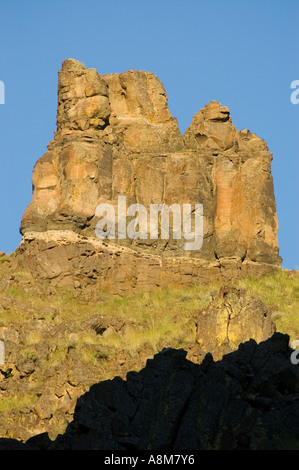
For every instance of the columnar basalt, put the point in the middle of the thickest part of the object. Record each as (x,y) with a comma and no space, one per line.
(116,137)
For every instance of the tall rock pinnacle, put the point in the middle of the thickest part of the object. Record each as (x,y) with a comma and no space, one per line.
(116,137)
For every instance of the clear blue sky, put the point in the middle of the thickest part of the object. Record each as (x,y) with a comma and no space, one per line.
(243,54)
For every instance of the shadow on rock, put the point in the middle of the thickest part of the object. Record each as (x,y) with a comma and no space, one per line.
(248,400)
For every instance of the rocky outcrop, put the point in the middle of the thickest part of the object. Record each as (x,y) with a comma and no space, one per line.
(233,317)
(59,342)
(248,400)
(116,137)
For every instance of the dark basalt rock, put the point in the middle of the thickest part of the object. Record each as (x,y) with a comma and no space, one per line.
(248,400)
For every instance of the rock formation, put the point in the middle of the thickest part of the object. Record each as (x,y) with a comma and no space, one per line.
(60,342)
(116,137)
(248,400)
(232,318)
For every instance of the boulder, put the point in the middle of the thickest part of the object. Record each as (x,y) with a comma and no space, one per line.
(232,317)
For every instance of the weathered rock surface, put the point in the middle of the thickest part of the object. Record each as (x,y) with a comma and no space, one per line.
(232,318)
(116,137)
(59,342)
(248,400)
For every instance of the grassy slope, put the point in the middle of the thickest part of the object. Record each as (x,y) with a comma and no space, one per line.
(152,319)
(52,320)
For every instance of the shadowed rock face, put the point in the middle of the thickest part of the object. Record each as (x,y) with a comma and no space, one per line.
(116,137)
(248,400)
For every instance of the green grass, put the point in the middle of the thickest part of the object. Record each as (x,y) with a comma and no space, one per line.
(16,402)
(280,290)
(50,327)
(5,258)
(153,320)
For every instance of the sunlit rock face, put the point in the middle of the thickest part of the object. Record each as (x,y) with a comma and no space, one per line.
(116,137)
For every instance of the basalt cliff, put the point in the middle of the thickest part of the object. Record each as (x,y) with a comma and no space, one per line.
(116,137)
